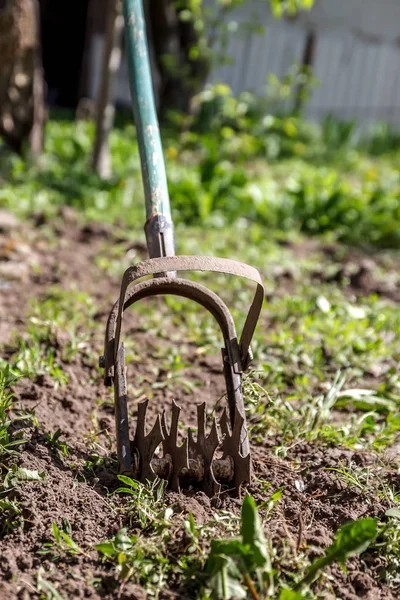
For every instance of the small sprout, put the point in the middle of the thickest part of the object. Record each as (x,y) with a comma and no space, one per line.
(64,546)
(146,502)
(43,586)
(54,442)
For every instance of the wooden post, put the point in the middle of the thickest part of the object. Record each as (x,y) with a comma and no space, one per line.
(307,62)
(105,109)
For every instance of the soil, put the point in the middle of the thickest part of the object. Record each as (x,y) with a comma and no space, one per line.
(315,502)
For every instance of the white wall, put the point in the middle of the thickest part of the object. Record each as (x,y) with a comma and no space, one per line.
(357,57)
(379,18)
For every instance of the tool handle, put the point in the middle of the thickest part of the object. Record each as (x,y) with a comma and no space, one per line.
(144,112)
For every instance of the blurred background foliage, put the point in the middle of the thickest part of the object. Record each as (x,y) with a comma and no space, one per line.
(230,159)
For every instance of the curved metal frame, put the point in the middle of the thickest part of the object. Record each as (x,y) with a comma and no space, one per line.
(156,266)
(234,354)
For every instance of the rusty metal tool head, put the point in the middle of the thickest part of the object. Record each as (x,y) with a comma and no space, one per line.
(218,453)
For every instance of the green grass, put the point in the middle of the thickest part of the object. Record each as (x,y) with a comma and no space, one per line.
(244,565)
(326,371)
(219,179)
(9,441)
(59,327)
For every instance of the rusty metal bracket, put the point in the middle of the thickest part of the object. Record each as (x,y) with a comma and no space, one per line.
(235,466)
(182,263)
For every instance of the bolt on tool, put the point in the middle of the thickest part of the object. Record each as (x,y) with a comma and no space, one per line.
(215,455)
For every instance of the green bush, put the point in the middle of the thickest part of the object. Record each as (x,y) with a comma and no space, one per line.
(264,170)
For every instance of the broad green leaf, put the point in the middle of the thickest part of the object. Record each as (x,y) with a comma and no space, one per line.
(290,595)
(364,399)
(70,542)
(252,533)
(224,581)
(352,538)
(106,548)
(122,541)
(124,490)
(130,482)
(393,512)
(18,474)
(56,532)
(234,548)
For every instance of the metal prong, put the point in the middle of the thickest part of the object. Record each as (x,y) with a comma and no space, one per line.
(178,454)
(231,446)
(121,413)
(205,447)
(146,445)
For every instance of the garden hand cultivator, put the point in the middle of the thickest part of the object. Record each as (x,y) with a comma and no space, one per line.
(219,454)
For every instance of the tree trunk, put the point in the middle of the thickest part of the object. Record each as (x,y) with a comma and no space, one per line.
(105,109)
(39,108)
(182,75)
(307,64)
(22,112)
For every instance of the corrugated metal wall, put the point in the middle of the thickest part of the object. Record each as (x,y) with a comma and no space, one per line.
(357,79)
(358,70)
(356,60)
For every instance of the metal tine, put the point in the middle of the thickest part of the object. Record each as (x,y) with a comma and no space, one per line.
(231,446)
(178,454)
(146,445)
(224,424)
(191,444)
(201,424)
(121,413)
(213,440)
(205,447)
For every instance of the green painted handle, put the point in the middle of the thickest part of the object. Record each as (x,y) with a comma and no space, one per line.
(144,112)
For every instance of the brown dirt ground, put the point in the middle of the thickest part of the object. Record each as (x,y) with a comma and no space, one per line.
(305,518)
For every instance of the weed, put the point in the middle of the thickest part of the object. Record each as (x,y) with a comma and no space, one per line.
(387,545)
(146,503)
(56,320)
(352,538)
(9,441)
(243,567)
(327,351)
(16,475)
(34,358)
(45,589)
(220,177)
(63,546)
(139,558)
(11,516)
(53,440)
(52,334)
